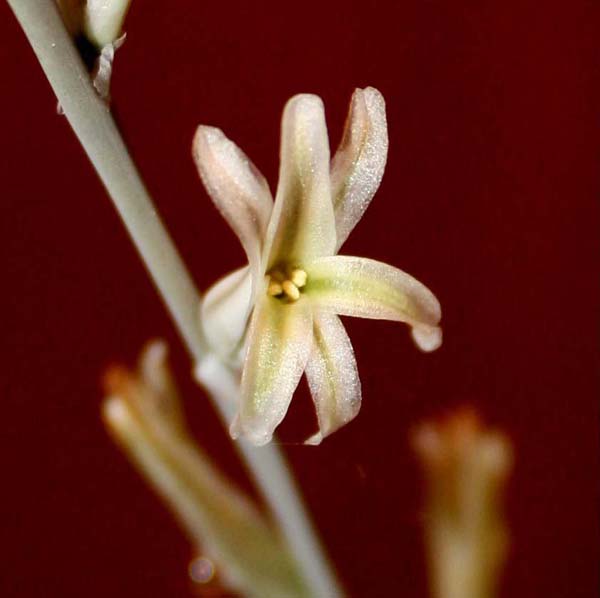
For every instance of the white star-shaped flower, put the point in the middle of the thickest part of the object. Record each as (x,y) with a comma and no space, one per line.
(295,285)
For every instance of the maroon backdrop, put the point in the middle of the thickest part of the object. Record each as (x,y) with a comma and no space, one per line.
(490,198)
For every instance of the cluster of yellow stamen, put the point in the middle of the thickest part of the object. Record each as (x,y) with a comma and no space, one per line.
(286,283)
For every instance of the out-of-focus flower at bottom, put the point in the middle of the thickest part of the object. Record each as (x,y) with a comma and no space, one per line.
(143,414)
(466,467)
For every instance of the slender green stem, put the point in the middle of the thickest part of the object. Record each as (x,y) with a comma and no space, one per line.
(91,120)
(93,124)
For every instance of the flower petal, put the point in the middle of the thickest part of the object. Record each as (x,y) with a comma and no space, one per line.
(359,162)
(236,187)
(332,376)
(353,286)
(303,225)
(279,343)
(224,313)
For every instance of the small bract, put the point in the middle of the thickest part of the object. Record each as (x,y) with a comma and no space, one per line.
(100,22)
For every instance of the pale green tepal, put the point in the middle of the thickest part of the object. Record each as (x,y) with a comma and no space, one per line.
(277,317)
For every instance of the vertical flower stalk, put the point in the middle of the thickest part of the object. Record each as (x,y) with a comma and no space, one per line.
(465,467)
(91,120)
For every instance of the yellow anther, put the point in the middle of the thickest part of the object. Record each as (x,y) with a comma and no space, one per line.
(298,277)
(285,282)
(274,289)
(291,290)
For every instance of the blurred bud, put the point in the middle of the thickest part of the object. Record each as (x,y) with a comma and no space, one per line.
(466,467)
(144,416)
(103,20)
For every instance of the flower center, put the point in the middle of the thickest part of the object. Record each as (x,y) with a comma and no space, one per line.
(285,282)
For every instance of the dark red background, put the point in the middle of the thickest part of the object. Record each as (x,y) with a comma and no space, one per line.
(490,198)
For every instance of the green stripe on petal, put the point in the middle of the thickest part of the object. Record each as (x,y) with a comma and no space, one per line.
(279,343)
(302,226)
(352,286)
(358,164)
(332,376)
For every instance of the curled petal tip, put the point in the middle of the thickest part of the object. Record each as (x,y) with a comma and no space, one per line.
(260,440)
(314,440)
(427,338)
(374,98)
(155,352)
(198,372)
(256,437)
(207,133)
(234,428)
(115,412)
(206,140)
(304,102)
